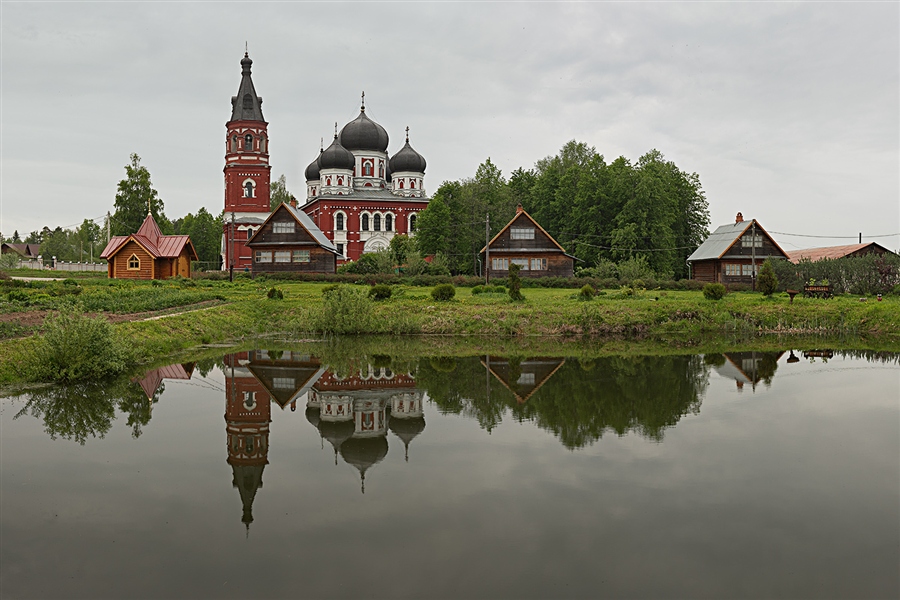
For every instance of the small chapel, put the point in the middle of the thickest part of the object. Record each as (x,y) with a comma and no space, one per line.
(148,254)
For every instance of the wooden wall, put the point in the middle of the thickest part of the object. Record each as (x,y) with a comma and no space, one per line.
(320,260)
(120,268)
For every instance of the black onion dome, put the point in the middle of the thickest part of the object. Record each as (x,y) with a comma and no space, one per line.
(387,172)
(336,156)
(407,159)
(312,171)
(362,133)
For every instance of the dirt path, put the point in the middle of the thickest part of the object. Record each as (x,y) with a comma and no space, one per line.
(33,319)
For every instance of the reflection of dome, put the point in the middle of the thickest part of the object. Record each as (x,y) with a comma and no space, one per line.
(407,159)
(312,415)
(312,171)
(362,133)
(336,156)
(336,432)
(363,453)
(407,430)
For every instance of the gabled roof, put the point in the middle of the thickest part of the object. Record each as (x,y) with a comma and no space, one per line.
(815,254)
(723,238)
(151,239)
(304,221)
(520,211)
(543,367)
(27,250)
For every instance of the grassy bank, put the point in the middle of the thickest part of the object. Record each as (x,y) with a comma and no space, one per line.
(549,321)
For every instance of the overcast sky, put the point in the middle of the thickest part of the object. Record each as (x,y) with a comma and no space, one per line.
(789,112)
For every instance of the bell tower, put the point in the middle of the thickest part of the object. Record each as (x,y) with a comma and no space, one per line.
(247,172)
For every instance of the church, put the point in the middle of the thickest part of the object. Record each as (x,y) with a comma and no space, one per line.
(357,195)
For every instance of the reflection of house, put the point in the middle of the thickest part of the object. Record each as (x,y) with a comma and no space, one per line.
(148,254)
(733,253)
(355,412)
(151,380)
(523,378)
(285,375)
(525,243)
(832,252)
(749,367)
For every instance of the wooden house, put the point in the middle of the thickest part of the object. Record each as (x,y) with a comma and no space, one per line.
(734,253)
(25,251)
(832,252)
(525,243)
(289,241)
(148,254)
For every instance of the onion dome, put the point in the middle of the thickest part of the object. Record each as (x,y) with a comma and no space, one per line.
(407,159)
(363,453)
(336,156)
(362,133)
(312,171)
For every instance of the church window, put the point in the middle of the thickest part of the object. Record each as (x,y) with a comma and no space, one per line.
(365,222)
(234,143)
(401,184)
(248,443)
(282,256)
(340,249)
(248,189)
(301,256)
(377,222)
(328,181)
(339,222)
(248,142)
(134,263)
(248,102)
(249,232)
(388,222)
(367,168)
(381,169)
(262,144)
(412,184)
(340,181)
(249,400)
(263,256)
(412,222)
(368,185)
(283,227)
(521,233)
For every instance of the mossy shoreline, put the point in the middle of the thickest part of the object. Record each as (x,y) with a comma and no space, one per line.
(550,322)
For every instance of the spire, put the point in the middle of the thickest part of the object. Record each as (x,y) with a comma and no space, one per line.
(246,106)
(407,134)
(362,107)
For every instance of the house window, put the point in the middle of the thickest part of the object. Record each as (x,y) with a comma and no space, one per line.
(749,241)
(522,262)
(500,264)
(282,256)
(283,227)
(526,379)
(732,270)
(747,270)
(134,263)
(365,222)
(388,222)
(263,256)
(521,233)
(340,249)
(377,222)
(339,222)
(412,222)
(248,189)
(284,383)
(301,256)
(248,142)
(538,264)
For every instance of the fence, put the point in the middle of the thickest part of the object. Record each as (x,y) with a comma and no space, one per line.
(58,265)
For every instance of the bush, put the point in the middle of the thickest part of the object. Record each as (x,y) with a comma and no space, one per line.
(346,310)
(515,284)
(714,291)
(275,294)
(380,292)
(586,293)
(477,290)
(443,292)
(766,281)
(75,347)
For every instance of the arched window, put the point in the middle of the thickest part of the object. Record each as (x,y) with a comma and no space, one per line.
(339,222)
(328,181)
(412,184)
(134,263)
(248,142)
(388,222)
(401,184)
(262,144)
(234,143)
(249,232)
(377,220)
(367,168)
(412,222)
(248,189)
(381,169)
(340,181)
(365,222)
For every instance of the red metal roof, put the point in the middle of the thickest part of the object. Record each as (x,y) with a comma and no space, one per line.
(815,254)
(152,240)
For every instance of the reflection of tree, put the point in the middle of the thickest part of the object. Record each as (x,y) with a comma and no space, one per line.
(79,411)
(645,394)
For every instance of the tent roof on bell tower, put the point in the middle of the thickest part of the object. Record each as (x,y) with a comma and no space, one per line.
(246,106)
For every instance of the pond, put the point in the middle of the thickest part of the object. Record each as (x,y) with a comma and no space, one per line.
(272,473)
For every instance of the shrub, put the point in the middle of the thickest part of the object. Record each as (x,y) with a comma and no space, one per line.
(478,289)
(515,284)
(275,294)
(443,292)
(76,347)
(638,284)
(766,281)
(330,288)
(714,291)
(380,292)
(586,293)
(17,296)
(346,310)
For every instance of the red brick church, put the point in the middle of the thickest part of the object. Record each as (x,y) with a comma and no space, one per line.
(357,195)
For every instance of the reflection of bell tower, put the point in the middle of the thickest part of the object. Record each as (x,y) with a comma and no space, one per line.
(247,418)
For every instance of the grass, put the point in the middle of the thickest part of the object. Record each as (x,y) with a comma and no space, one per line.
(684,319)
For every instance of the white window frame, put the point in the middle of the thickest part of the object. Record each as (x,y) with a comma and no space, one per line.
(300,256)
(538,264)
(282,256)
(500,264)
(521,233)
(263,256)
(283,227)
(732,270)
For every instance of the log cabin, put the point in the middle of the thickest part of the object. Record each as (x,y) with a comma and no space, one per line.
(289,242)
(733,253)
(525,243)
(148,254)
